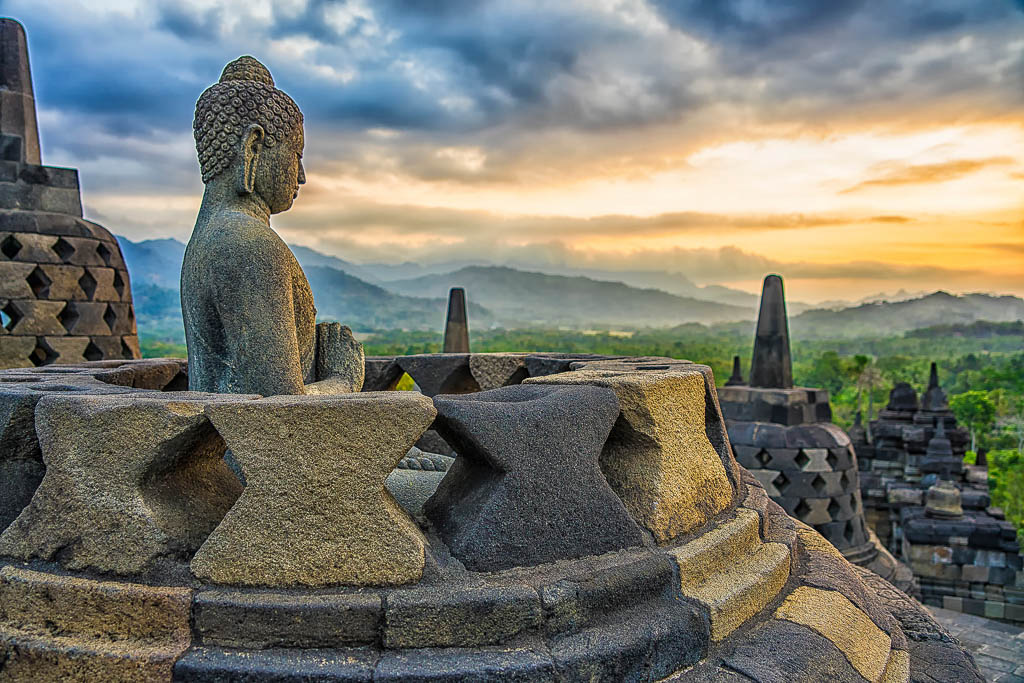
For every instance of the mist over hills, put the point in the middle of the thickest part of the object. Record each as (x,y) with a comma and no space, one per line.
(369,297)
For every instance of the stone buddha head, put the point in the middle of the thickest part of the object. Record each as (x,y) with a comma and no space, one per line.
(249,136)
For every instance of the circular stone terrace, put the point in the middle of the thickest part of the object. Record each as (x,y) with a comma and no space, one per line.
(593,526)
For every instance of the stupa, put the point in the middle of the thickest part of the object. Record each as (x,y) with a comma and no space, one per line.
(784,436)
(64,290)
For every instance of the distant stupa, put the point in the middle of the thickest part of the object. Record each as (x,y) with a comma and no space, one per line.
(736,378)
(456,329)
(64,292)
(771,366)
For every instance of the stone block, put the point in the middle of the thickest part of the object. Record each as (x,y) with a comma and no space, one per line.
(314,510)
(339,357)
(64,350)
(504,502)
(30,247)
(106,284)
(494,370)
(61,283)
(21,463)
(659,459)
(459,617)
(121,318)
(381,374)
(128,479)
(35,317)
(440,373)
(515,665)
(130,345)
(14,280)
(61,628)
(274,620)
(994,610)
(15,351)
(833,616)
(816,659)
(220,665)
(975,573)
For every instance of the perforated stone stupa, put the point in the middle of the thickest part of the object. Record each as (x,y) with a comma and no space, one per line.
(784,436)
(64,290)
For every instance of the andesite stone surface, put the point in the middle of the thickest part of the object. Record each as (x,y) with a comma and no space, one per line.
(314,510)
(129,479)
(658,458)
(771,365)
(701,607)
(261,337)
(505,502)
(456,327)
(64,289)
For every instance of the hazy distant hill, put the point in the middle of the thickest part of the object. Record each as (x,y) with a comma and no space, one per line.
(538,298)
(885,317)
(155,266)
(516,298)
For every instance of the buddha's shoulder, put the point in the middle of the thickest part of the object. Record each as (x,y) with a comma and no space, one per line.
(240,242)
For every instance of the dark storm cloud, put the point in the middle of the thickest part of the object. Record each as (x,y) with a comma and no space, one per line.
(501,74)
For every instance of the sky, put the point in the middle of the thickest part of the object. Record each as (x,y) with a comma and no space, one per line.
(853,146)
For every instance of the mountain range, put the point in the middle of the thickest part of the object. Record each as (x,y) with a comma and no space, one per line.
(375,296)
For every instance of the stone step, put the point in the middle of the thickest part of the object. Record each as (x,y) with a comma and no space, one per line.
(37,602)
(732,572)
(716,550)
(31,657)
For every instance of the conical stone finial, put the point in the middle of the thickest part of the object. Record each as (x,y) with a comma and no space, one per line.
(456,329)
(17,101)
(772,367)
(934,398)
(737,373)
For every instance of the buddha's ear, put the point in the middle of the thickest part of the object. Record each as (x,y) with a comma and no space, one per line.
(252,146)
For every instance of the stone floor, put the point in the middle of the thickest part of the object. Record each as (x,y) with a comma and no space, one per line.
(998,648)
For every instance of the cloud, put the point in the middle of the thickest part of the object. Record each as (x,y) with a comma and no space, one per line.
(903,174)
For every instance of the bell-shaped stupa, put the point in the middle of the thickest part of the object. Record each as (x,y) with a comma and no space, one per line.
(64,291)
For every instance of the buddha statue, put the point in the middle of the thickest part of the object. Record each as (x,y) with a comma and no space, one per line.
(250,322)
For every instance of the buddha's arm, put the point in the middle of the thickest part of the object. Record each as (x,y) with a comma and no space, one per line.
(259,325)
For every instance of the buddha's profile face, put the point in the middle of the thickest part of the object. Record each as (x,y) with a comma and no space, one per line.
(249,136)
(280,172)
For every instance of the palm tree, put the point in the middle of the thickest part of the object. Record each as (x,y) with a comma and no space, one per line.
(869,378)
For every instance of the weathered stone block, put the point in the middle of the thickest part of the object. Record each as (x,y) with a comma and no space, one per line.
(494,370)
(658,458)
(271,620)
(21,463)
(128,480)
(832,615)
(440,373)
(36,317)
(504,502)
(462,617)
(315,511)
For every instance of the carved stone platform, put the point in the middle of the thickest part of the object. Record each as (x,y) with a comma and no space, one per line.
(714,582)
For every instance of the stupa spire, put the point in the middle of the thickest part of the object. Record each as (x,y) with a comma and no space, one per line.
(456,329)
(737,373)
(19,133)
(771,366)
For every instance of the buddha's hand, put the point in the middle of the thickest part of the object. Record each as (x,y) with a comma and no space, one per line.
(340,361)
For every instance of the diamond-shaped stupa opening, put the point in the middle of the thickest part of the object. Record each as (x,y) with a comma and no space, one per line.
(104,253)
(118,284)
(39,283)
(801,459)
(68,317)
(10,246)
(63,249)
(801,510)
(764,457)
(93,352)
(834,508)
(10,315)
(819,484)
(43,354)
(110,317)
(88,284)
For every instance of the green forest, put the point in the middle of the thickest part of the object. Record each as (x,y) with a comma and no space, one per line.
(981,368)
